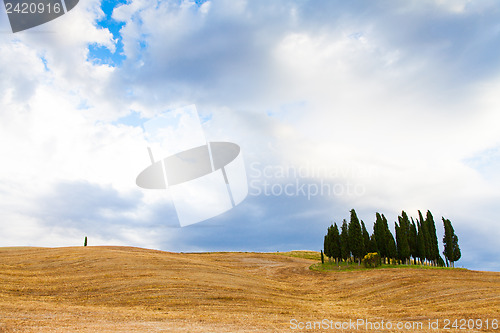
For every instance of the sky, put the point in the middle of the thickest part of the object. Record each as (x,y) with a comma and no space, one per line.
(380,106)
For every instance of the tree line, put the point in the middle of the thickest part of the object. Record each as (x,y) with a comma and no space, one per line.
(415,242)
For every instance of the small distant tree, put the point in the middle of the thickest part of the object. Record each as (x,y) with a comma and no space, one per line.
(85,241)
(322,257)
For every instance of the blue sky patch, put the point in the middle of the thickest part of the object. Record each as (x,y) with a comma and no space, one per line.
(100,54)
(132,119)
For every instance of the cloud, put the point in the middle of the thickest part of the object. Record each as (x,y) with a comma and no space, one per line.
(80,202)
(200,52)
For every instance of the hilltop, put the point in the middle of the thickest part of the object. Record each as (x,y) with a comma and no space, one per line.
(124,289)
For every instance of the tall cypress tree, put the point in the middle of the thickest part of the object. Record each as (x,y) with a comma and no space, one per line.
(422,238)
(379,236)
(345,250)
(336,248)
(457,254)
(392,251)
(450,240)
(327,243)
(447,241)
(390,243)
(402,231)
(356,237)
(433,241)
(366,238)
(420,243)
(372,245)
(398,240)
(413,240)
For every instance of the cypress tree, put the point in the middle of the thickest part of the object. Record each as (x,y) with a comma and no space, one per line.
(440,261)
(372,245)
(327,243)
(366,238)
(420,243)
(402,231)
(390,243)
(457,254)
(450,240)
(85,241)
(447,242)
(433,242)
(379,236)
(392,251)
(344,241)
(422,238)
(413,240)
(326,246)
(336,248)
(322,257)
(356,243)
(398,240)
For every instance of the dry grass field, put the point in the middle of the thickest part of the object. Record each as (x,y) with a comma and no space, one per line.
(123,289)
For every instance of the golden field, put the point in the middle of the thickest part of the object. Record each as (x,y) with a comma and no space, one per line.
(124,289)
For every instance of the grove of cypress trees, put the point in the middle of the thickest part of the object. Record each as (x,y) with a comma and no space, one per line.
(416,239)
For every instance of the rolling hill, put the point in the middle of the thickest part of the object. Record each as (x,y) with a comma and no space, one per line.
(124,289)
